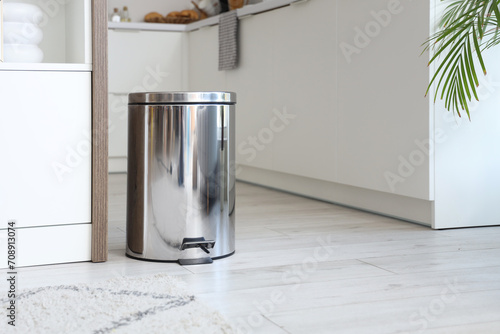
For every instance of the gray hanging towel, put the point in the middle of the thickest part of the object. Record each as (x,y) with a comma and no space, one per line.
(228,40)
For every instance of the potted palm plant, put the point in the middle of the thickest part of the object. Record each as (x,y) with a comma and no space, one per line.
(467,28)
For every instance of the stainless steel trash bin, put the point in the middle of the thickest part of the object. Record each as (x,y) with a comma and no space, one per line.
(181,182)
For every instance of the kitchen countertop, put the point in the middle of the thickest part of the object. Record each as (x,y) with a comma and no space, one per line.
(242,12)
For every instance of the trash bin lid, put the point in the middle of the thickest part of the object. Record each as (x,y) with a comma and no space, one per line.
(182,98)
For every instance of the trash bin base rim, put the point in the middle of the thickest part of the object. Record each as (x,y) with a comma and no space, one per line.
(173,261)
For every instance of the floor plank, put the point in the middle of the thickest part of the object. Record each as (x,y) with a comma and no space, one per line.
(304,266)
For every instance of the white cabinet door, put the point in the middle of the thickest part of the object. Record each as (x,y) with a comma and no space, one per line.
(253,82)
(45,145)
(383,114)
(139,61)
(305,86)
(118,123)
(285,83)
(145,61)
(203,60)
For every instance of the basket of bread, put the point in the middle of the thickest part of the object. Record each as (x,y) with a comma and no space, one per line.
(183,17)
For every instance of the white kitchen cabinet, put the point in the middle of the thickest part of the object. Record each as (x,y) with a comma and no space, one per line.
(255,106)
(339,127)
(139,61)
(270,85)
(331,105)
(46,136)
(47,141)
(363,134)
(203,60)
(381,106)
(304,85)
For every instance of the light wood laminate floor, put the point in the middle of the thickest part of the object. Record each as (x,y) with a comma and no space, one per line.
(305,266)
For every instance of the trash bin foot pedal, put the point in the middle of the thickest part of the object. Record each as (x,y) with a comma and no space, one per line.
(203,260)
(205,245)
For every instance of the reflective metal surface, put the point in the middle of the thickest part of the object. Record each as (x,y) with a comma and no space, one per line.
(181,183)
(182,98)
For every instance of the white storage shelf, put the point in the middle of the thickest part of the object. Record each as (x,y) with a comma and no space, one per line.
(67,36)
(45,131)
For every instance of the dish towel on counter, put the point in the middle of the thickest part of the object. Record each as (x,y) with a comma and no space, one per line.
(228,40)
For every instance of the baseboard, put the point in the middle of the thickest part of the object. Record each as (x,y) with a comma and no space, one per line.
(396,206)
(48,245)
(117,164)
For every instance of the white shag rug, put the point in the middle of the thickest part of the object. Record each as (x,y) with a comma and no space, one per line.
(152,304)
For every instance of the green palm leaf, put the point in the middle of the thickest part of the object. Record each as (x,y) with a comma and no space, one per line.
(467,28)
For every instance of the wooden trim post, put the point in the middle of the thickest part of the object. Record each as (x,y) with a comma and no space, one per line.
(99,130)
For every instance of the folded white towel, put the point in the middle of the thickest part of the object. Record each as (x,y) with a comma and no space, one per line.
(228,40)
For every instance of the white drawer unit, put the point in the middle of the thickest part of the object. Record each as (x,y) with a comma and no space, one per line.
(48,135)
